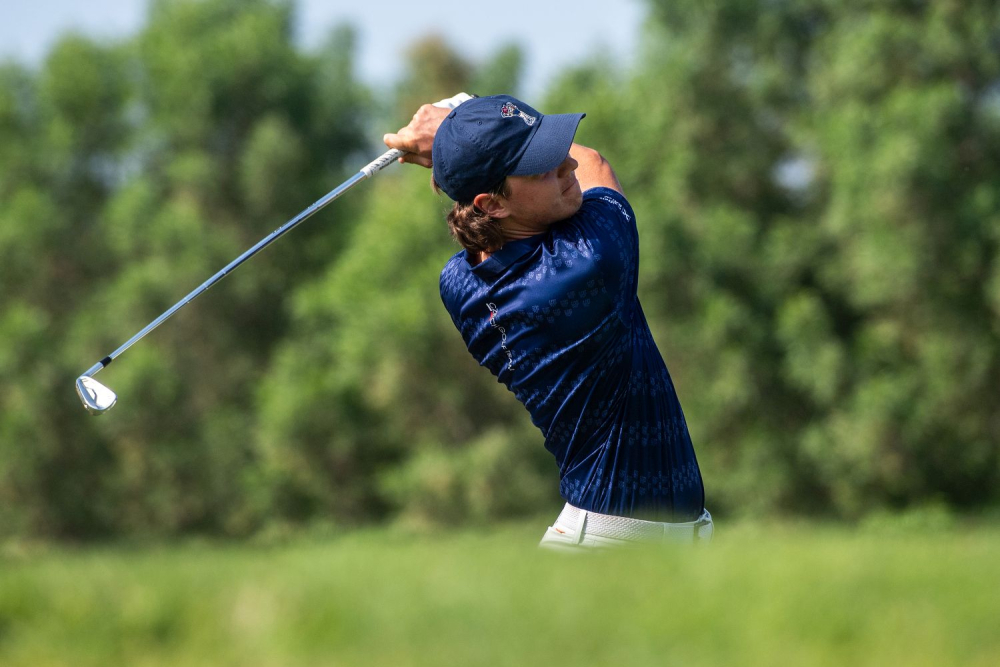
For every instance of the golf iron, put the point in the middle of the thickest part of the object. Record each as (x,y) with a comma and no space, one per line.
(98,399)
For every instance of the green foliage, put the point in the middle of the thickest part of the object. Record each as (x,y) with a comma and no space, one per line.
(434,71)
(919,591)
(497,475)
(501,74)
(135,172)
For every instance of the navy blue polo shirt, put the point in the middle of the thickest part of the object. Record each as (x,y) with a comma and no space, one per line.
(556,318)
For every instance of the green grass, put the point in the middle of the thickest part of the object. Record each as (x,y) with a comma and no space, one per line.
(781,595)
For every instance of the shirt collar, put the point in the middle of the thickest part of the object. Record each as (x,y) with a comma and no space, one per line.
(500,261)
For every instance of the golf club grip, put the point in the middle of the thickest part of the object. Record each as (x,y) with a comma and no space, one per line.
(381,162)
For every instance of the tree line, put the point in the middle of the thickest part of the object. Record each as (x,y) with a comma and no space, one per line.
(816,187)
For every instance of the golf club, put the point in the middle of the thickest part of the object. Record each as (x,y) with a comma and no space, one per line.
(98,399)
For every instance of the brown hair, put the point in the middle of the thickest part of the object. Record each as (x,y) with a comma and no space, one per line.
(473,228)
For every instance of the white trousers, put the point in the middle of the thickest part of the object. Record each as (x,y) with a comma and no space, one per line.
(576,528)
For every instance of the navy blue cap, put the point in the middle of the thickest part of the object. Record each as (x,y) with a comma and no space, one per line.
(487,139)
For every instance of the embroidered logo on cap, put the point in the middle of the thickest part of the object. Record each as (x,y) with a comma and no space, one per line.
(509,110)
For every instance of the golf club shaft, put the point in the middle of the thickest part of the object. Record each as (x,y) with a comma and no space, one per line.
(367,171)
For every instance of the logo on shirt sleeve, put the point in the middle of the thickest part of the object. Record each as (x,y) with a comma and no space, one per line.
(621,208)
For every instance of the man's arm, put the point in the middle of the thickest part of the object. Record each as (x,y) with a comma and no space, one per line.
(593,170)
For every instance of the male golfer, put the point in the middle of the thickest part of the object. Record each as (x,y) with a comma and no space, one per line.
(544,295)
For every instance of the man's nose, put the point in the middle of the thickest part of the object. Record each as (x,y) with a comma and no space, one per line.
(568,165)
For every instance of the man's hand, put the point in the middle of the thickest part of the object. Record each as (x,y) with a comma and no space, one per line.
(592,170)
(417,138)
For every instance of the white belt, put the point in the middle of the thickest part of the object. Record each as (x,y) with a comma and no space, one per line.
(633,530)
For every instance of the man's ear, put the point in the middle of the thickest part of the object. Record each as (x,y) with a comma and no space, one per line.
(491,205)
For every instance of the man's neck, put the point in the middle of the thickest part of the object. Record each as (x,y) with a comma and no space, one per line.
(514,230)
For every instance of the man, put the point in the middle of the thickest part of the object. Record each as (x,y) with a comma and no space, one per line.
(544,295)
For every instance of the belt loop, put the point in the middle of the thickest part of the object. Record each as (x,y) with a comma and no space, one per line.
(581,523)
(704,521)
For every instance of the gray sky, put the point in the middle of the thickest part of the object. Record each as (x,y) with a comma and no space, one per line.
(552,34)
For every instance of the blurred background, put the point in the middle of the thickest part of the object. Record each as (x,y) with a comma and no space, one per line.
(817,186)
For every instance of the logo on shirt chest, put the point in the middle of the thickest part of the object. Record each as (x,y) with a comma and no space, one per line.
(495,323)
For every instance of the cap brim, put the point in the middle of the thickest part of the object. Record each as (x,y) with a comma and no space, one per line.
(550,144)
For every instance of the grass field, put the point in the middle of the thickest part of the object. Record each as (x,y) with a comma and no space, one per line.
(784,594)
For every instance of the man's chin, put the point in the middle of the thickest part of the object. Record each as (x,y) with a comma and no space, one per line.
(577,202)
(571,211)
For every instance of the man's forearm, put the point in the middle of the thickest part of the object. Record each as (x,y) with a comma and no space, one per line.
(593,170)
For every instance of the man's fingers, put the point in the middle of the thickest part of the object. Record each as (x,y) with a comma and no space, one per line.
(408,146)
(393,140)
(413,158)
(417,138)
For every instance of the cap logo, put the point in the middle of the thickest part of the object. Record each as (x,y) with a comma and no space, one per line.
(509,110)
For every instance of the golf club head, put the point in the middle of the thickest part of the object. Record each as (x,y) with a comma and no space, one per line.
(97,398)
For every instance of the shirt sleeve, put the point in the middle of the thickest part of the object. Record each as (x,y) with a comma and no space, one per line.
(605,232)
(612,205)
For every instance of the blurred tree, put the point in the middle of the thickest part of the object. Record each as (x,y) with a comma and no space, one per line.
(61,137)
(499,74)
(433,72)
(162,159)
(905,124)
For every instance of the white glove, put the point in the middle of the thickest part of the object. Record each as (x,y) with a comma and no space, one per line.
(453,102)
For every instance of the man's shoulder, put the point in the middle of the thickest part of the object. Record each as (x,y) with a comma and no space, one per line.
(455,268)
(609,202)
(457,281)
(455,262)
(604,213)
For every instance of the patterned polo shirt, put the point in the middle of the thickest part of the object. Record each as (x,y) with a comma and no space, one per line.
(556,318)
